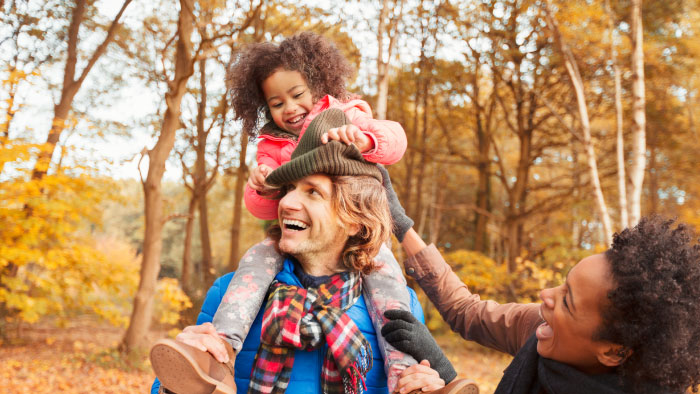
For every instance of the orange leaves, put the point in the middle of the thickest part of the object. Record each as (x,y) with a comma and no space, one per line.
(30,369)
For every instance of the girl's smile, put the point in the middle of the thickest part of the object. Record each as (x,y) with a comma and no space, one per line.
(289,98)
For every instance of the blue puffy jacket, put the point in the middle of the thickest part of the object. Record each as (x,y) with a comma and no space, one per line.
(307,364)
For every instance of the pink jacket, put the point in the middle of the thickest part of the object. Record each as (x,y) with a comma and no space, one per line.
(274,150)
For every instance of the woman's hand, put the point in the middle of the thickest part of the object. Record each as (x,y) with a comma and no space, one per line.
(256,180)
(349,134)
(419,377)
(205,338)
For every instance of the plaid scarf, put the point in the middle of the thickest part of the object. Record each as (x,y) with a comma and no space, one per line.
(298,318)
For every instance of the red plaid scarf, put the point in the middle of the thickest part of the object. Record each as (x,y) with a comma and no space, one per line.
(298,318)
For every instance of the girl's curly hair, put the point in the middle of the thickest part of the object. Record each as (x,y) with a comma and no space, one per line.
(317,59)
(654,308)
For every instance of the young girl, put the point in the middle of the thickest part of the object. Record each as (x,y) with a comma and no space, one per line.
(288,85)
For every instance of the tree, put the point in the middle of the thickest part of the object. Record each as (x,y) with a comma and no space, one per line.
(390,15)
(152,244)
(202,178)
(185,57)
(639,114)
(620,143)
(71,85)
(577,82)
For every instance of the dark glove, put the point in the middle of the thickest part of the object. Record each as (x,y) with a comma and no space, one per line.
(404,332)
(402,223)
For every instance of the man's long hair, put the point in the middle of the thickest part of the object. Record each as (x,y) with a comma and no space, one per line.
(361,201)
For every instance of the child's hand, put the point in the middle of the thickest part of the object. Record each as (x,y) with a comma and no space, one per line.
(349,134)
(256,180)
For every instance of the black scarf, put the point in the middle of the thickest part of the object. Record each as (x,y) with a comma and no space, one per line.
(529,373)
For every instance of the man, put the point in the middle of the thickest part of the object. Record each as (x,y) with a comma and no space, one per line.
(333,218)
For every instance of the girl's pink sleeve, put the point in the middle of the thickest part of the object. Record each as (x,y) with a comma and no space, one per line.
(389,137)
(259,206)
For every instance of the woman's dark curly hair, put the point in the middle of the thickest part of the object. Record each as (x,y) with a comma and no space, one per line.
(654,308)
(317,59)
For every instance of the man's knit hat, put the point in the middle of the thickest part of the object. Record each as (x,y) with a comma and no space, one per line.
(311,156)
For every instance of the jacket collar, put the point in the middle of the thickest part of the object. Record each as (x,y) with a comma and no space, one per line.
(272,130)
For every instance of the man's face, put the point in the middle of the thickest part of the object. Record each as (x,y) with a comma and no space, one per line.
(311,228)
(572,314)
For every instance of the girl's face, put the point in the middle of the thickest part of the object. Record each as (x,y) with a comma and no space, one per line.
(289,99)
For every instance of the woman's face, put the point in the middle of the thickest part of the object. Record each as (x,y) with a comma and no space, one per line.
(572,314)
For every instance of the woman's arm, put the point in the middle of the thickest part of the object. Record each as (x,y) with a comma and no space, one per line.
(502,327)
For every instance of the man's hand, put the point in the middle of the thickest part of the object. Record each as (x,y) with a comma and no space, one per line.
(404,332)
(349,134)
(205,338)
(419,377)
(256,180)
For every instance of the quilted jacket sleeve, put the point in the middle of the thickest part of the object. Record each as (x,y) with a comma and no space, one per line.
(259,206)
(388,136)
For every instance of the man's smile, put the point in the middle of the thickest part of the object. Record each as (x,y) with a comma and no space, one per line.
(295,225)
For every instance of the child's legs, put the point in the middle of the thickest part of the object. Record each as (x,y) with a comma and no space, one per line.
(385,289)
(246,292)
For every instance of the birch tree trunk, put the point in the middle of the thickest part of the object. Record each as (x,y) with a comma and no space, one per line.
(639,125)
(577,82)
(620,142)
(135,337)
(385,31)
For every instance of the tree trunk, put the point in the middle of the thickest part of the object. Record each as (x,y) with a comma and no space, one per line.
(483,190)
(200,180)
(187,249)
(11,92)
(423,163)
(71,86)
(135,337)
(207,263)
(653,205)
(577,82)
(388,32)
(512,248)
(621,176)
(438,195)
(241,176)
(639,125)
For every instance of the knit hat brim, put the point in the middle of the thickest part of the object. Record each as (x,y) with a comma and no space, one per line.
(334,158)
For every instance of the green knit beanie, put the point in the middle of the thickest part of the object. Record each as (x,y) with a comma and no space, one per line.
(313,157)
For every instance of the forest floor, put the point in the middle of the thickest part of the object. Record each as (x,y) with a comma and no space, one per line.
(81,358)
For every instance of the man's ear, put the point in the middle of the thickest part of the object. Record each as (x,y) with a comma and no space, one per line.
(612,355)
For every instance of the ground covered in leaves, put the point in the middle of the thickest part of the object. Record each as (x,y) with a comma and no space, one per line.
(82,359)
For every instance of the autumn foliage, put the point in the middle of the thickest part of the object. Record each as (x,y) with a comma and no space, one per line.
(55,260)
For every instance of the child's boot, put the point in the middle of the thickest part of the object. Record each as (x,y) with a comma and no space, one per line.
(184,369)
(457,386)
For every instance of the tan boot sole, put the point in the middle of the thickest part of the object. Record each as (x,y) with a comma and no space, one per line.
(466,387)
(179,372)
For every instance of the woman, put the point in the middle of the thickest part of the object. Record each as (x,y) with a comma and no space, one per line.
(624,321)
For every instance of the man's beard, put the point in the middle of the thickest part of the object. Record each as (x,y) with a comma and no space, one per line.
(312,250)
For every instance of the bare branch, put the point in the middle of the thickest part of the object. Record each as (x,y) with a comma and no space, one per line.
(144,152)
(103,46)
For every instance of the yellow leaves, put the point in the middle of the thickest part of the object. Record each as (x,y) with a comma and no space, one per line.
(171,301)
(48,265)
(482,274)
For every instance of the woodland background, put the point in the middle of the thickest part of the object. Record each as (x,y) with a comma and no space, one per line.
(536,129)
